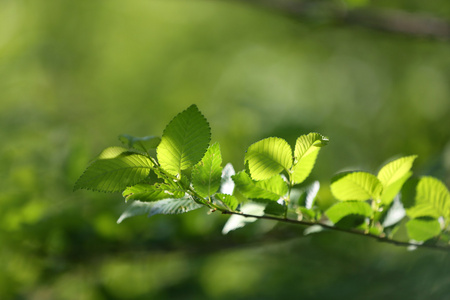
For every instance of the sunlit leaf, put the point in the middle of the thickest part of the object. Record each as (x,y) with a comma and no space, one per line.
(268,157)
(395,170)
(184,141)
(115,174)
(146,192)
(272,189)
(237,221)
(111,152)
(356,186)
(306,150)
(207,174)
(393,189)
(343,209)
(165,207)
(423,229)
(432,199)
(230,201)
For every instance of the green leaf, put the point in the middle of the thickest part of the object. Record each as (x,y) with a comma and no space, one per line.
(140,143)
(396,170)
(111,152)
(356,186)
(423,229)
(393,189)
(343,209)
(184,141)
(271,189)
(274,208)
(237,221)
(207,174)
(306,150)
(114,172)
(230,201)
(165,207)
(432,199)
(268,157)
(146,192)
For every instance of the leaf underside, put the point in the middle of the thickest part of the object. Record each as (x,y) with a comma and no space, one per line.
(227,183)
(184,141)
(165,207)
(237,221)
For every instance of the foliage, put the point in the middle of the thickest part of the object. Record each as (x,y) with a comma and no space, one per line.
(187,174)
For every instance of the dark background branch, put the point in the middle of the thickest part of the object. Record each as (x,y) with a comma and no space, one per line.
(393,21)
(351,231)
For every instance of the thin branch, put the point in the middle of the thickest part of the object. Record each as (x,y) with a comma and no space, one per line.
(351,231)
(388,20)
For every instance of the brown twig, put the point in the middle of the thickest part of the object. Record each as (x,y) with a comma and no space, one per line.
(388,20)
(351,231)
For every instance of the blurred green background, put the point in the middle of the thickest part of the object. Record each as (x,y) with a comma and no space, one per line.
(76,74)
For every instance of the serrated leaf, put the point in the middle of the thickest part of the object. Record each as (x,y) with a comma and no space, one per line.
(271,189)
(227,183)
(395,170)
(393,189)
(306,150)
(146,192)
(343,209)
(423,229)
(111,152)
(432,199)
(184,141)
(356,186)
(140,143)
(207,174)
(237,221)
(115,174)
(165,207)
(230,201)
(268,157)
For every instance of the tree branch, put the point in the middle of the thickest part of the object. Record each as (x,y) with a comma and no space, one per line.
(351,231)
(393,21)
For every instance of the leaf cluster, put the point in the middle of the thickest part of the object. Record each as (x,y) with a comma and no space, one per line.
(183,171)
